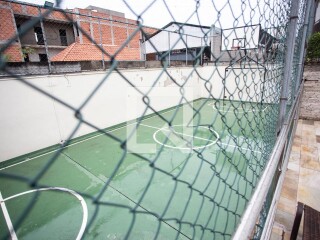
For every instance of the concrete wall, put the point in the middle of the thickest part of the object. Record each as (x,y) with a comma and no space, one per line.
(34,57)
(29,37)
(31,121)
(51,30)
(52,33)
(39,68)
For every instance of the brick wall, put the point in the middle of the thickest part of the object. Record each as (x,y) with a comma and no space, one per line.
(14,53)
(106,34)
(129,54)
(85,31)
(135,42)
(7,31)
(6,24)
(120,35)
(109,32)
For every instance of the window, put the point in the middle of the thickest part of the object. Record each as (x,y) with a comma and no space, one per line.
(39,35)
(77,30)
(26,57)
(63,37)
(43,57)
(18,31)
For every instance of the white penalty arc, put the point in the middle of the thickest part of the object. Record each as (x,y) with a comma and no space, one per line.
(212,142)
(73,193)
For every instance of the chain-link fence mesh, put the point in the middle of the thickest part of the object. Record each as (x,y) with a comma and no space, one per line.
(159,133)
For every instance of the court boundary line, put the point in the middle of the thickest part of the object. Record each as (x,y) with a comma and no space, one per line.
(112,130)
(73,193)
(7,218)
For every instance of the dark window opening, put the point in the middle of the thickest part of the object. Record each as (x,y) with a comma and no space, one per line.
(77,30)
(18,31)
(26,58)
(63,37)
(39,35)
(43,57)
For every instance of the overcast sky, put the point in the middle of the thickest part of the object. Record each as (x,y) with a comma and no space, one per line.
(248,11)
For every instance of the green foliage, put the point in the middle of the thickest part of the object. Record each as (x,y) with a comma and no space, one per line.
(27,50)
(313,50)
(5,58)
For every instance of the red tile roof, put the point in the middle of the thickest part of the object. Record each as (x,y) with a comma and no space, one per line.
(90,52)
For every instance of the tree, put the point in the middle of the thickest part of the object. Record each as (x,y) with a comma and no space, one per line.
(5,58)
(26,51)
(313,51)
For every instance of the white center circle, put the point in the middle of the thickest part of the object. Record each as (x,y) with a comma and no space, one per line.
(172,131)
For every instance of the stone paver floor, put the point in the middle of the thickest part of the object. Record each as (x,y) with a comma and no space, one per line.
(302,179)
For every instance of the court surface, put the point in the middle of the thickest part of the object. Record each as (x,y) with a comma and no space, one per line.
(195,185)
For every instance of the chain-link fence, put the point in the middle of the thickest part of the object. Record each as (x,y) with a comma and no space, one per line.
(159,133)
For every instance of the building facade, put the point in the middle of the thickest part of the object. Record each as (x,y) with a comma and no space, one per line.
(67,35)
(183,41)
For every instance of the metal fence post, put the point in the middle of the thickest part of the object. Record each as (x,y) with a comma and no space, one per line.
(186,50)
(312,17)
(111,30)
(303,47)
(211,40)
(169,60)
(103,64)
(144,50)
(290,42)
(201,56)
(141,50)
(45,40)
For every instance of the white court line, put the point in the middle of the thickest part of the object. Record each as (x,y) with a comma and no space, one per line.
(98,135)
(247,149)
(167,130)
(75,194)
(182,148)
(29,159)
(8,219)
(87,139)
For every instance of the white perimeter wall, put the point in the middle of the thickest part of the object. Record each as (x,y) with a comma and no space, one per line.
(31,121)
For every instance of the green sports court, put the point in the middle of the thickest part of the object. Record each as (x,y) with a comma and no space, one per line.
(194,183)
(149,119)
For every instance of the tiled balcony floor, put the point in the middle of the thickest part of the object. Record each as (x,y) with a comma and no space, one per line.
(302,180)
